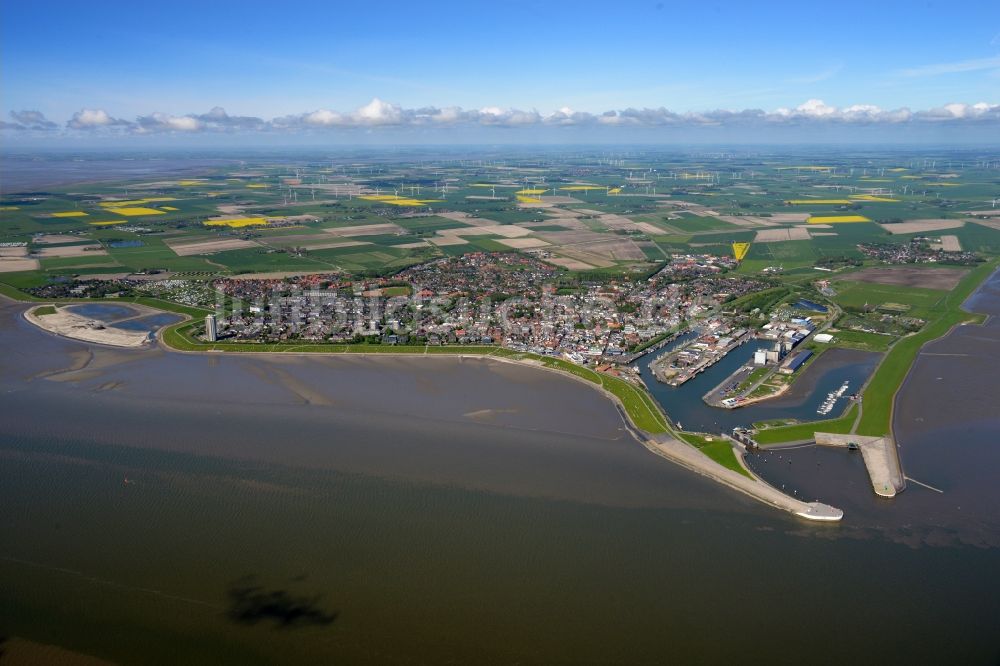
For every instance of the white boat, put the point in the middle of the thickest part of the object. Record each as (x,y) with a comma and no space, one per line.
(831,399)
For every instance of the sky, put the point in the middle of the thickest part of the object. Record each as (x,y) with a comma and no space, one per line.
(226,73)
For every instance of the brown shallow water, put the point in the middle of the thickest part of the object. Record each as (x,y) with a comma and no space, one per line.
(170,508)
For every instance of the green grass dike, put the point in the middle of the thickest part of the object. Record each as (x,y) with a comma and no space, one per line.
(718,449)
(805,431)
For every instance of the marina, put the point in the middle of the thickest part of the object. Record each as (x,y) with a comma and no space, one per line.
(831,399)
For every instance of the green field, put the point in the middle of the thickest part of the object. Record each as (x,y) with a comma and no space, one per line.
(695,223)
(858,295)
(718,449)
(862,340)
(183,211)
(806,431)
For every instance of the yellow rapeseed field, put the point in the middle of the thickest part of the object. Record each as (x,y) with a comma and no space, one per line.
(237,222)
(531,191)
(128,211)
(169,208)
(581,188)
(873,197)
(257,185)
(402,201)
(525,199)
(134,202)
(107,223)
(837,219)
(740,250)
(70,213)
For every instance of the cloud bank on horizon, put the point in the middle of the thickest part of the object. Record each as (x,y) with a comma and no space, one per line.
(381,114)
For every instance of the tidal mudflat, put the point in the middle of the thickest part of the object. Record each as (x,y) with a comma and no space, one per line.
(209,508)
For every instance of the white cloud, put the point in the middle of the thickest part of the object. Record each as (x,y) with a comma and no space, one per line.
(218,119)
(962,113)
(323,117)
(168,122)
(28,120)
(379,113)
(813,108)
(93,118)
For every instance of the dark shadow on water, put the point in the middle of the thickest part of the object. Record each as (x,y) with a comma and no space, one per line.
(251,604)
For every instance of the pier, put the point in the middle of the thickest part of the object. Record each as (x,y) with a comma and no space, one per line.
(881,459)
(687,456)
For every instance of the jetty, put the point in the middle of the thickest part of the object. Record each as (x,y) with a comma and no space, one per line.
(881,459)
(687,456)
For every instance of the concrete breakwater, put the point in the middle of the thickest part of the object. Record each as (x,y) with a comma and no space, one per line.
(880,456)
(689,457)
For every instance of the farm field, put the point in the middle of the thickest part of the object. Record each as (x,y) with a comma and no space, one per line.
(377,216)
(860,295)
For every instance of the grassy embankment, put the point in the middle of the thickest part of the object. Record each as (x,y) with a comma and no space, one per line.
(718,449)
(880,392)
(805,431)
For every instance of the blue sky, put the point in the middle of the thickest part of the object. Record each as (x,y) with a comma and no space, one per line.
(143,68)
